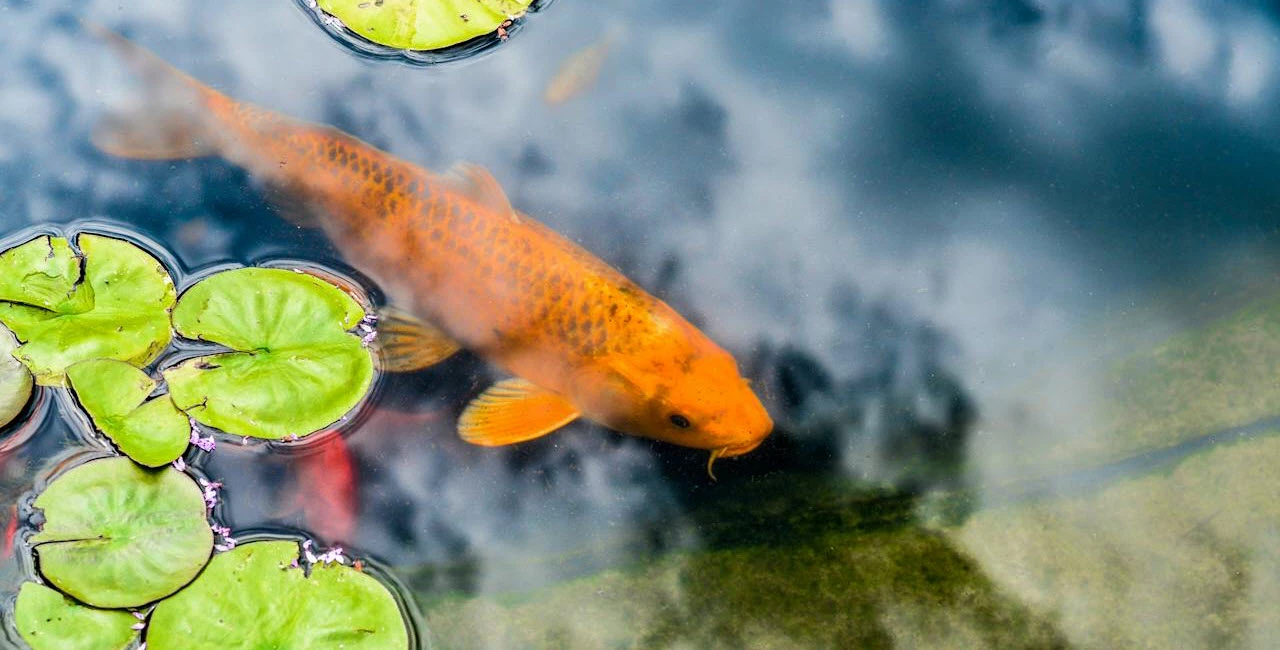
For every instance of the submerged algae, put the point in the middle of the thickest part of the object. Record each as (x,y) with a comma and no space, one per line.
(894,588)
(1187,558)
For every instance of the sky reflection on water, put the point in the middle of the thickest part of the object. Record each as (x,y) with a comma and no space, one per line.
(946,219)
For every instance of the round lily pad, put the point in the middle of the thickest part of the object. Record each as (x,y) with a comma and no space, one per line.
(47,620)
(423,24)
(15,380)
(119,535)
(256,596)
(296,369)
(114,395)
(117,309)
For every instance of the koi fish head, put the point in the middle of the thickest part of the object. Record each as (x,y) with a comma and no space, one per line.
(702,403)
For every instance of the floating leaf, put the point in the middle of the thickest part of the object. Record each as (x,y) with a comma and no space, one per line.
(256,597)
(423,24)
(47,620)
(153,433)
(297,370)
(118,311)
(45,273)
(15,380)
(119,535)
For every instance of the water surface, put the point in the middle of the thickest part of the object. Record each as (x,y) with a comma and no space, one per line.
(1004,270)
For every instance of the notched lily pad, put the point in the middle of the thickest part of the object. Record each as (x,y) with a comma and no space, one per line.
(423,24)
(119,535)
(296,368)
(47,620)
(114,394)
(45,273)
(256,597)
(15,380)
(116,309)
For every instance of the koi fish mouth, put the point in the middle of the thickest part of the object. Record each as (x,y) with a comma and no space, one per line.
(729,451)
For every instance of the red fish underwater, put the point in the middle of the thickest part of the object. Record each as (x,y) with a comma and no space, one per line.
(466,270)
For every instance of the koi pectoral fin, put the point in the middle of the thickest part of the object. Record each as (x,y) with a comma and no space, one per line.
(513,410)
(408,344)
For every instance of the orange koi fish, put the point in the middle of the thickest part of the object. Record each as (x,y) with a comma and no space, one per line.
(466,270)
(578,72)
(327,491)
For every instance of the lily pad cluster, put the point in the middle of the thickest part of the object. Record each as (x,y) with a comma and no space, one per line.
(128,551)
(92,317)
(125,545)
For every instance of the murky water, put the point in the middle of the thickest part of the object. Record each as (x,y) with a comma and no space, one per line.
(1004,273)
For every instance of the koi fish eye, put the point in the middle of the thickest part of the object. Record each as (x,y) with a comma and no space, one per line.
(679,420)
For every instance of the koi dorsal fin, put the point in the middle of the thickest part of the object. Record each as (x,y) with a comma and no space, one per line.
(409,344)
(513,410)
(476,183)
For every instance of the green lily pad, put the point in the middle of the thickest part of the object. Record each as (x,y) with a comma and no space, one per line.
(253,597)
(423,24)
(119,535)
(119,310)
(15,380)
(114,394)
(47,620)
(297,368)
(45,273)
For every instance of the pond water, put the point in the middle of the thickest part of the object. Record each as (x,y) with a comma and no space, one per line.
(1004,273)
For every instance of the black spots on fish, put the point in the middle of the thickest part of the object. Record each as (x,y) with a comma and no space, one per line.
(585,309)
(413,188)
(613,309)
(388,184)
(436,234)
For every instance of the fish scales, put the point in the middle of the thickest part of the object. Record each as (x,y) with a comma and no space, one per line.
(536,287)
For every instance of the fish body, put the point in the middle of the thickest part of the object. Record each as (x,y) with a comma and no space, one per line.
(327,490)
(469,271)
(577,73)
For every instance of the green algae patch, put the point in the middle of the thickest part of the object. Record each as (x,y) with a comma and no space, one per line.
(296,367)
(423,24)
(15,380)
(1183,558)
(114,394)
(111,300)
(904,588)
(119,535)
(257,596)
(47,620)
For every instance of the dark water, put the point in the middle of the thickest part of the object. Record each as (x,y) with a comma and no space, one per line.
(1004,272)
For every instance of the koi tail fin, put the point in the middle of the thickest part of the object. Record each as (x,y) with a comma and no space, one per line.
(172,120)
